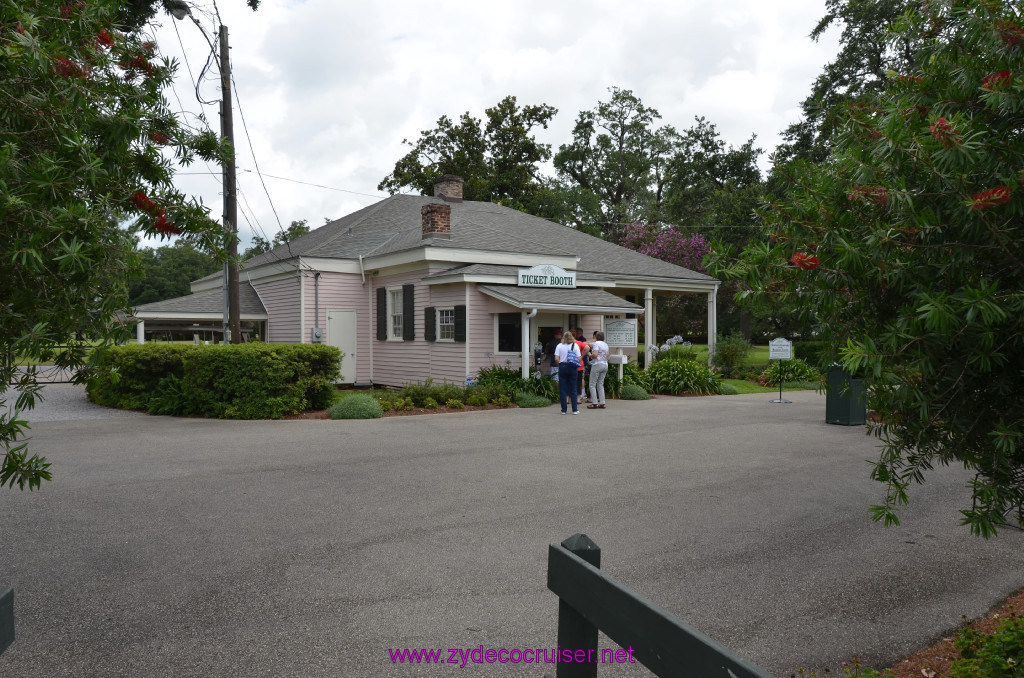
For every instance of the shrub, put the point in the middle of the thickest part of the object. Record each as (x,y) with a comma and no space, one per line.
(633,392)
(788,370)
(524,399)
(730,352)
(476,397)
(502,379)
(996,655)
(356,406)
(684,351)
(503,400)
(454,404)
(632,374)
(674,377)
(405,404)
(728,389)
(815,353)
(430,403)
(245,381)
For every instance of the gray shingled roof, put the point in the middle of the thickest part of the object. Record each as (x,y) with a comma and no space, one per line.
(496,269)
(578,298)
(394,225)
(210,301)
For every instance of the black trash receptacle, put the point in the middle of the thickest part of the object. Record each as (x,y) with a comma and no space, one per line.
(845,403)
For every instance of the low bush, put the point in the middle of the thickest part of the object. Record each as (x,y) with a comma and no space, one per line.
(684,351)
(730,353)
(632,374)
(788,371)
(243,381)
(454,404)
(815,354)
(476,397)
(634,392)
(501,379)
(356,406)
(430,404)
(674,377)
(524,399)
(728,389)
(999,654)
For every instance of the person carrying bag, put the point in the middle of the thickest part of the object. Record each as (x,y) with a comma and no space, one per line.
(569,359)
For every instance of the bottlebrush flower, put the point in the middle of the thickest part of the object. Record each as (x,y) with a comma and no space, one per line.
(993,197)
(876,194)
(1009,32)
(996,81)
(161,224)
(159,138)
(944,133)
(105,39)
(69,69)
(805,261)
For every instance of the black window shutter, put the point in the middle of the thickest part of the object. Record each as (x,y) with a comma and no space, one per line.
(460,323)
(429,324)
(408,312)
(382,314)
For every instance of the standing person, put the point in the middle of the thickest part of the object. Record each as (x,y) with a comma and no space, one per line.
(598,371)
(568,357)
(550,351)
(584,363)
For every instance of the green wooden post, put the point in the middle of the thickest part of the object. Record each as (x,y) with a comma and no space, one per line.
(6,618)
(574,631)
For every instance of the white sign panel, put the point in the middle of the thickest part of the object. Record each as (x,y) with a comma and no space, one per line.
(780,349)
(620,333)
(546,275)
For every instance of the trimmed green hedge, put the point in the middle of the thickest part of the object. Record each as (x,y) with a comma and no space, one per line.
(244,381)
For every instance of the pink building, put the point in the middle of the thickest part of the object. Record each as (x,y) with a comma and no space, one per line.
(418,287)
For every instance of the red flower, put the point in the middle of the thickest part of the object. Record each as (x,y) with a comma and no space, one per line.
(1000,195)
(69,69)
(996,81)
(1009,32)
(104,39)
(159,138)
(910,79)
(807,262)
(161,224)
(876,194)
(67,11)
(944,133)
(142,201)
(20,29)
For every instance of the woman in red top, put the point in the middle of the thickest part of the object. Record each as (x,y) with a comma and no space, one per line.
(584,351)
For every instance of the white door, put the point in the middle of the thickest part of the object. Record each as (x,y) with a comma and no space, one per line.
(341,332)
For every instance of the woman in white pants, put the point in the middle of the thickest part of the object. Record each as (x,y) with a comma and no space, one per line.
(598,371)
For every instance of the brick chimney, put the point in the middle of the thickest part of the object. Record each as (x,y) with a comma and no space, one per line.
(437,220)
(448,188)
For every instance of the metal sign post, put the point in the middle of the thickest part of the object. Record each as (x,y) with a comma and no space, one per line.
(780,349)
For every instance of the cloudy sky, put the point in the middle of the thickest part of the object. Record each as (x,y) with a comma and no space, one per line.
(328,90)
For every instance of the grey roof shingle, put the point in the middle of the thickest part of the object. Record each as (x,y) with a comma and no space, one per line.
(210,301)
(578,298)
(394,225)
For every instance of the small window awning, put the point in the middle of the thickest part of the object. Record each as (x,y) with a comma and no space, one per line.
(578,300)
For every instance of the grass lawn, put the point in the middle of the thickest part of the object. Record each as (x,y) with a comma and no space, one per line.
(744,386)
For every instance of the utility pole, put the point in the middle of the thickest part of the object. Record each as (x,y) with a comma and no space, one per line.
(232,320)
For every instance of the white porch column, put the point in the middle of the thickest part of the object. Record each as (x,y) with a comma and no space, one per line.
(650,326)
(140,332)
(527,344)
(712,324)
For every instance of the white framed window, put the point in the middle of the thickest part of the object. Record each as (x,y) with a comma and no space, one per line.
(395,319)
(508,332)
(446,324)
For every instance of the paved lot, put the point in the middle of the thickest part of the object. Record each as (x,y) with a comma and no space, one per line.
(176,547)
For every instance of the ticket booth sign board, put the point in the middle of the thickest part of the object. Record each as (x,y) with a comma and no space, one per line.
(546,275)
(780,349)
(620,333)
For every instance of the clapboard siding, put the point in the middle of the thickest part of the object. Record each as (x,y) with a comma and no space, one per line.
(447,359)
(483,350)
(342,291)
(401,362)
(280,298)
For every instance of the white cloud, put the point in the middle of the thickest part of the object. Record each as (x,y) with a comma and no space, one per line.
(329,90)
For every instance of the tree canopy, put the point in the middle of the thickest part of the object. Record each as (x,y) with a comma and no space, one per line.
(85,140)
(905,248)
(499,160)
(261,245)
(167,271)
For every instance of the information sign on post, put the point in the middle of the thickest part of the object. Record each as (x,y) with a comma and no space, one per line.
(780,349)
(620,333)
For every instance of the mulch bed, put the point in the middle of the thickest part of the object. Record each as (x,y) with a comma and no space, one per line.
(935,660)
